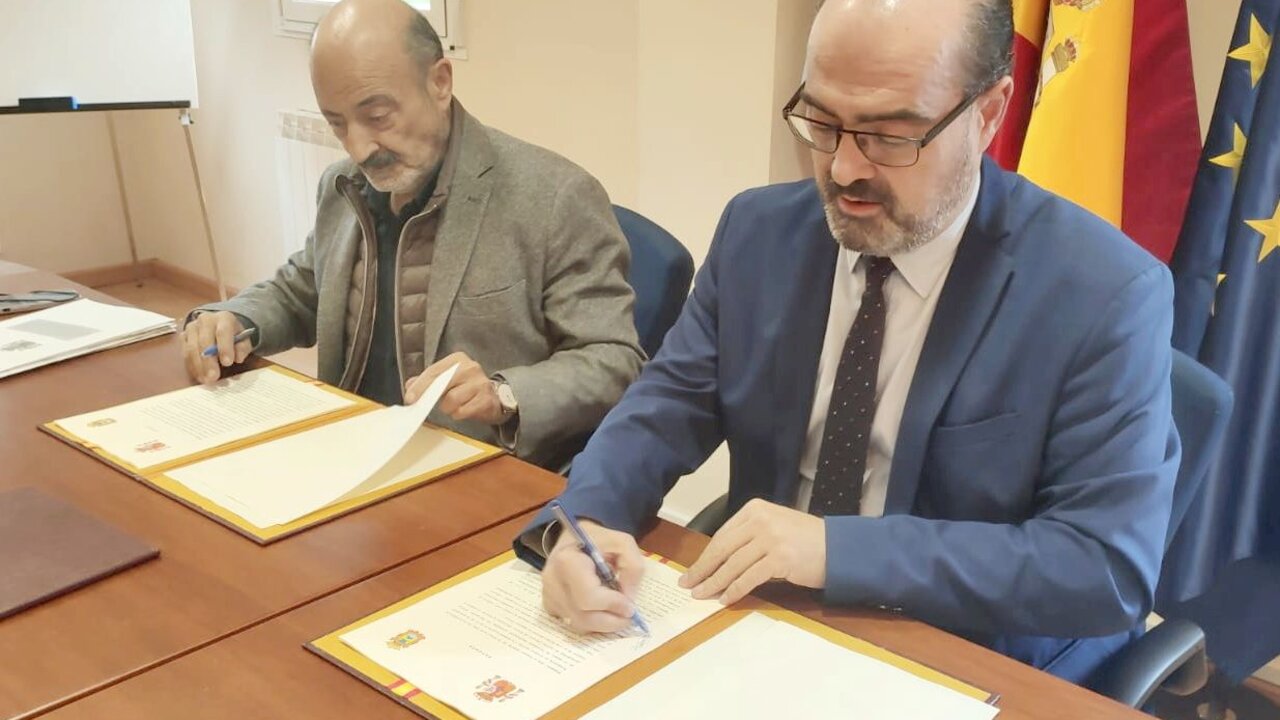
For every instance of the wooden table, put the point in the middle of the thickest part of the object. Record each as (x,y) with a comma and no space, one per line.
(264,672)
(209,582)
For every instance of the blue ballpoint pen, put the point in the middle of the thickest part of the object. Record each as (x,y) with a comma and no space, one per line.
(602,568)
(240,336)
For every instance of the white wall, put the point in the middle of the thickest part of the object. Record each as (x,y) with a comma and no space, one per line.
(705,88)
(59,203)
(710,128)
(789,160)
(561,74)
(162,196)
(1212,23)
(246,74)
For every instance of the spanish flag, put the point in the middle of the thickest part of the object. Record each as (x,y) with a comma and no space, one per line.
(1104,110)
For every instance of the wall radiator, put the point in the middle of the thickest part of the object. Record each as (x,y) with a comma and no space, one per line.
(305,146)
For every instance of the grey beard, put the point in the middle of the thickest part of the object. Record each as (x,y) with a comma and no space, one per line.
(894,234)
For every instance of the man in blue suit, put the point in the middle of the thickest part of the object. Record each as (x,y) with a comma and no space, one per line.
(944,389)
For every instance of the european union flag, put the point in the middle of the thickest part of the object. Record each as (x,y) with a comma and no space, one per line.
(1223,569)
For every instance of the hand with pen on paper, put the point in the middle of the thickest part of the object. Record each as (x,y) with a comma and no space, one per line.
(763,542)
(212,341)
(571,587)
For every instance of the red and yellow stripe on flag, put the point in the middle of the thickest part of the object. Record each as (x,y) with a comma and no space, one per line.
(1076,137)
(1162,146)
(1029,18)
(402,688)
(1104,110)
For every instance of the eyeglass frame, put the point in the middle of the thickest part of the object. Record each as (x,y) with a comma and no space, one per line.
(920,142)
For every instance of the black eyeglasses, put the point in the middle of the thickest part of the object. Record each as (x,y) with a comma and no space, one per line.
(879,148)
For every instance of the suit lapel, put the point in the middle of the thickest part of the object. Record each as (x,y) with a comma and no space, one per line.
(456,239)
(799,344)
(979,275)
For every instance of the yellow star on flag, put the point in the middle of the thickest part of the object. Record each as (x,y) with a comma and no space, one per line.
(1255,51)
(1235,157)
(1270,229)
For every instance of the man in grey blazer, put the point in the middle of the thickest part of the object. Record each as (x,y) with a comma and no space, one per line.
(442,241)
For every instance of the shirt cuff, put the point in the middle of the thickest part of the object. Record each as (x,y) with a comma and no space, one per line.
(542,540)
(509,429)
(509,433)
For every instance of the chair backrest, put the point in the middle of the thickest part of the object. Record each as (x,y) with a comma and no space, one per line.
(661,272)
(1174,651)
(1202,404)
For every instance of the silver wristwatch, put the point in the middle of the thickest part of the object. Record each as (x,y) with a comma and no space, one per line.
(506,397)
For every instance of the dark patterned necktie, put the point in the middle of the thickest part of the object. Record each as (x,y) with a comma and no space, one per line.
(842,461)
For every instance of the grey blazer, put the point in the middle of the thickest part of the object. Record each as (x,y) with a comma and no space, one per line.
(527,276)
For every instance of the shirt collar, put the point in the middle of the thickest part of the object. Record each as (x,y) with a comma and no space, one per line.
(924,266)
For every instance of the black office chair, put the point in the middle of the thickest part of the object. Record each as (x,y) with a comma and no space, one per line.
(661,273)
(1171,656)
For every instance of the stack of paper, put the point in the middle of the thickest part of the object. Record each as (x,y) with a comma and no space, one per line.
(71,330)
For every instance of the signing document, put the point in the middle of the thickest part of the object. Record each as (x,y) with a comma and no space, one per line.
(159,429)
(489,638)
(480,645)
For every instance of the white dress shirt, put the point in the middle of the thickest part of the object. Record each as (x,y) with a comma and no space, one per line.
(911,295)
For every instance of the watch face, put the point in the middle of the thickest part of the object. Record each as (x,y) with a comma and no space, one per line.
(506,397)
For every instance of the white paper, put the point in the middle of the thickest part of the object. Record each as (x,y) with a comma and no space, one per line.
(488,648)
(765,668)
(276,482)
(156,430)
(426,452)
(80,327)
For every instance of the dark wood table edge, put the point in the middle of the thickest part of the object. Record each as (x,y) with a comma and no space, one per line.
(94,689)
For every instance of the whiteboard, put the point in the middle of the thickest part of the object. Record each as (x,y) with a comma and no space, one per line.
(97,51)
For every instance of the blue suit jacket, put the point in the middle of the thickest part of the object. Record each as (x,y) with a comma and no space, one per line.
(1033,473)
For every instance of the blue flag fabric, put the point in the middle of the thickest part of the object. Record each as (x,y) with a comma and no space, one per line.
(1223,568)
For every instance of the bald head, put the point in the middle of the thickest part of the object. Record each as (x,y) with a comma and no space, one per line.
(358,26)
(382,82)
(971,38)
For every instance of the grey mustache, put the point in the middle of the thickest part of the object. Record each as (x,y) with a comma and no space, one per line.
(380,160)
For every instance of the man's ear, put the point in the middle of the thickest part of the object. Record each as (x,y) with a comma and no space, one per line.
(993,105)
(440,81)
